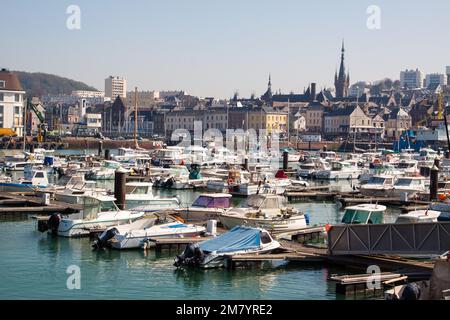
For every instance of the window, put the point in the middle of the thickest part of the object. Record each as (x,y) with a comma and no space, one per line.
(39,175)
(2,83)
(2,97)
(16,110)
(265,238)
(17,97)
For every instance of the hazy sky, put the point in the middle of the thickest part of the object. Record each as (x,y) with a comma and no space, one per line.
(212,48)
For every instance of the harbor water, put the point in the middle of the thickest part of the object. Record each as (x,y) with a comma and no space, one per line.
(35,266)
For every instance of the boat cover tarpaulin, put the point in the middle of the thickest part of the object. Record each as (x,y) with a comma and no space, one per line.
(238,238)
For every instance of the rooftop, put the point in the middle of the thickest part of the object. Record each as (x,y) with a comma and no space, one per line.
(11,80)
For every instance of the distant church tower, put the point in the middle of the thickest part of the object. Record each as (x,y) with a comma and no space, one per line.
(267,96)
(341,80)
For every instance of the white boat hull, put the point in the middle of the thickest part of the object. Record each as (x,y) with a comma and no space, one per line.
(79,227)
(273,225)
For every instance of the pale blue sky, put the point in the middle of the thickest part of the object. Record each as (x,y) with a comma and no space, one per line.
(212,48)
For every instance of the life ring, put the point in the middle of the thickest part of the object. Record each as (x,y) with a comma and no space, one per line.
(230,181)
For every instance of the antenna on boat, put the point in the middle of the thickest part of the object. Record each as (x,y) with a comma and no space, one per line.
(136,145)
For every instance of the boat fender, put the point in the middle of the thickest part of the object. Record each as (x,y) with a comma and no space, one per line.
(307,218)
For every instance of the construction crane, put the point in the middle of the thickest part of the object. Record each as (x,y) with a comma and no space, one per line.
(42,126)
(440,105)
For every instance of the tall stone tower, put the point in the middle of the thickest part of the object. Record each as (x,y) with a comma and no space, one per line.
(341,80)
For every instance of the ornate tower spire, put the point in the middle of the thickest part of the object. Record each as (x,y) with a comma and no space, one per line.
(267,96)
(341,80)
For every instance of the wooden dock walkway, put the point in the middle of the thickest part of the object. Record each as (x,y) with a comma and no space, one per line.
(16,204)
(352,284)
(173,243)
(346,200)
(310,195)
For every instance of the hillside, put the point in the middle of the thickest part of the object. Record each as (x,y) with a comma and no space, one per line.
(39,84)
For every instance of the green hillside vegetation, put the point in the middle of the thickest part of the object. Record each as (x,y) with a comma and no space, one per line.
(39,84)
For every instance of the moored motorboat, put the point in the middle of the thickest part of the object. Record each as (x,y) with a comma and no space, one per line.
(98,212)
(365,213)
(158,225)
(238,241)
(206,206)
(139,197)
(267,211)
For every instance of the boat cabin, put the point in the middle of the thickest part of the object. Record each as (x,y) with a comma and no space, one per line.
(328,155)
(381,180)
(139,188)
(92,206)
(35,177)
(410,182)
(364,214)
(419,216)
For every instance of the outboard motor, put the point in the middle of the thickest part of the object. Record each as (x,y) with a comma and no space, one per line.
(192,256)
(169,183)
(53,223)
(411,292)
(102,240)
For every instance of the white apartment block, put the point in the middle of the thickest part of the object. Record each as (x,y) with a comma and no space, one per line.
(94,120)
(88,94)
(411,79)
(115,86)
(11,102)
(435,79)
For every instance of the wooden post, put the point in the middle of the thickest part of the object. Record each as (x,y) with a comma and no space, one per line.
(107,154)
(246,163)
(120,188)
(285,160)
(100,148)
(434,182)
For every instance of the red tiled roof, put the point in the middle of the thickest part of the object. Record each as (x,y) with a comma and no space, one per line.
(11,81)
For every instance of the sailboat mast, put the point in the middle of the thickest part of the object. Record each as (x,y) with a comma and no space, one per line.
(135,118)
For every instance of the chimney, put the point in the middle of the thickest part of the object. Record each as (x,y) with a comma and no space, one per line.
(313,92)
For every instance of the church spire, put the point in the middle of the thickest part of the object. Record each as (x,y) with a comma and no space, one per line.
(267,96)
(341,80)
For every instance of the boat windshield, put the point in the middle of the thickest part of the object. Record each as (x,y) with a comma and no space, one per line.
(112,165)
(352,216)
(336,166)
(408,182)
(137,189)
(210,202)
(376,180)
(405,165)
(107,206)
(262,202)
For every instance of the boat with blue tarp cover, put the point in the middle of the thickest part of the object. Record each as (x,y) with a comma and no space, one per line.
(239,240)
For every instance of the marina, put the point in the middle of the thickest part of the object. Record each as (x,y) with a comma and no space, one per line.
(306,247)
(224,156)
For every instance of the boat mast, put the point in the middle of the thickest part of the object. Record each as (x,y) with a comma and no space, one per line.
(288,135)
(136,145)
(441,103)
(25,126)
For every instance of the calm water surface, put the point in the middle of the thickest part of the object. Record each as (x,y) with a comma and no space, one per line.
(33,266)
